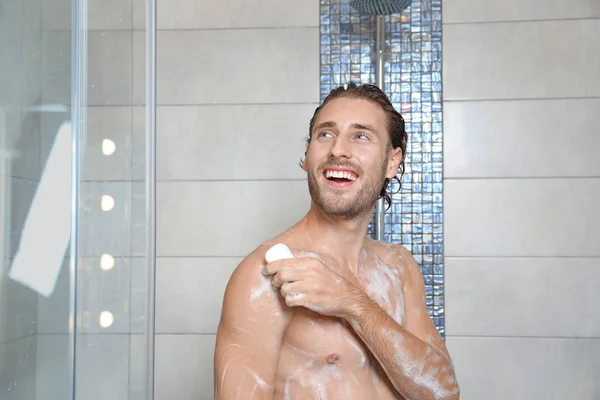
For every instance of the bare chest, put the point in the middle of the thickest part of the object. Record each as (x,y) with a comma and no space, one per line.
(380,281)
(322,357)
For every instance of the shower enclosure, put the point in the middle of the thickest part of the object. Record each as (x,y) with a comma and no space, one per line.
(77,112)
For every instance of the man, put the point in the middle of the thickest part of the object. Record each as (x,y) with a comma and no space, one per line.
(346,317)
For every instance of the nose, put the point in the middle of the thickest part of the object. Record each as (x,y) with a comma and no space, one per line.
(340,148)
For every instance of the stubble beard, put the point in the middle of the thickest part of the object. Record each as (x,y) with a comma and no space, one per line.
(346,207)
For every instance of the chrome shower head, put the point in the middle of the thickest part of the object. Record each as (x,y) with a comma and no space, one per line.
(380,7)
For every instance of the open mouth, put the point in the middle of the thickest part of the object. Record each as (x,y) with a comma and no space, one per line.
(340,177)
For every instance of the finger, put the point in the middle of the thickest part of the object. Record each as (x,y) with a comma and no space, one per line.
(272,268)
(295,299)
(293,288)
(288,275)
(275,266)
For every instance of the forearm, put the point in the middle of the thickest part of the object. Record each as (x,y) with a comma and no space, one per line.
(417,370)
(235,378)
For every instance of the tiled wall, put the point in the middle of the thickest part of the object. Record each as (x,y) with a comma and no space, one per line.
(522,188)
(237,85)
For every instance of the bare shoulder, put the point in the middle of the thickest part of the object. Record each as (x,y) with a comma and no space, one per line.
(252,306)
(247,283)
(398,257)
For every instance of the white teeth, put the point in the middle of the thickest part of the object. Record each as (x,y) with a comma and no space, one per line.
(340,174)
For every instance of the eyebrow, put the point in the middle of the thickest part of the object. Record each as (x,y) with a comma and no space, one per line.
(331,124)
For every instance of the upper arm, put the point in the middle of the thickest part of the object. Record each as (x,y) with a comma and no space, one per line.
(418,321)
(253,321)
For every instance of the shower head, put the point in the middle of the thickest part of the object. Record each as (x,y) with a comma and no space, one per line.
(380,7)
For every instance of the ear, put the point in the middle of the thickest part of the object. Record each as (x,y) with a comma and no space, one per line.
(303,163)
(394,160)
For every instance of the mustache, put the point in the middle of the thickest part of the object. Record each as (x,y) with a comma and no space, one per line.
(338,163)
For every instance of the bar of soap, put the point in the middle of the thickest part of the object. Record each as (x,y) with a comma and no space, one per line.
(278,252)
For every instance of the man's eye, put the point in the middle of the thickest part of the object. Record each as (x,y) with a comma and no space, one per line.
(362,136)
(324,134)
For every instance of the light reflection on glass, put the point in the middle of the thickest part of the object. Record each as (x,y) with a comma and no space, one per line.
(106,262)
(107,203)
(106,319)
(108,147)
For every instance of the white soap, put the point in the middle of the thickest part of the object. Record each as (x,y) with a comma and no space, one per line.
(278,252)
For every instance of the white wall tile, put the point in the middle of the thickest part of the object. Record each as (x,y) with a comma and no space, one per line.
(18,309)
(56,67)
(522,297)
(238,66)
(138,143)
(232,142)
(525,368)
(101,14)
(110,78)
(53,311)
(107,291)
(26,147)
(517,10)
(119,231)
(121,291)
(138,218)
(225,218)
(102,367)
(184,367)
(114,124)
(139,295)
(522,138)
(139,68)
(189,293)
(190,14)
(18,369)
(522,217)
(52,369)
(137,367)
(31,51)
(11,62)
(522,60)
(105,231)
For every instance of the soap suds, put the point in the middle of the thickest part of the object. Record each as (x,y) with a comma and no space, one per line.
(265,286)
(259,381)
(355,346)
(416,369)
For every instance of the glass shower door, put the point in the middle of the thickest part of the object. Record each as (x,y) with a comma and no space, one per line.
(112,282)
(76,274)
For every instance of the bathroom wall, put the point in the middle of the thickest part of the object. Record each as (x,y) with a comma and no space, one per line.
(521,190)
(237,85)
(19,174)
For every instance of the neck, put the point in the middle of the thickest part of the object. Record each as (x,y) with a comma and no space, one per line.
(338,238)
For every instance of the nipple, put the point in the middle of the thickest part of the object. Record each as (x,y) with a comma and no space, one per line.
(332,358)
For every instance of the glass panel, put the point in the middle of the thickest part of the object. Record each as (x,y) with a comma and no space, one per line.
(72,121)
(111,281)
(35,199)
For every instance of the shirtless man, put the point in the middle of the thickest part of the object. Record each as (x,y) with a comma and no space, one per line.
(345,318)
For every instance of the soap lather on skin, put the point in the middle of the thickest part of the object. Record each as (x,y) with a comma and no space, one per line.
(281,252)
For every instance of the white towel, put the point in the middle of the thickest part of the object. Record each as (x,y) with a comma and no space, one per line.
(47,228)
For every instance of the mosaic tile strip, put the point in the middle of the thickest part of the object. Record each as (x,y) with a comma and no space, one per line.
(413,81)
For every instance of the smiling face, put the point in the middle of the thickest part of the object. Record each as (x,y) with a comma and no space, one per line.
(349,157)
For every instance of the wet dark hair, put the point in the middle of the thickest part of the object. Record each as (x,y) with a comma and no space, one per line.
(395,124)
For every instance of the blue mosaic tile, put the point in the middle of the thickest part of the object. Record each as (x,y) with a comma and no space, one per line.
(413,81)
